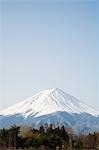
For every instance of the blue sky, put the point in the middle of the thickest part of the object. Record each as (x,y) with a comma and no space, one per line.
(47,44)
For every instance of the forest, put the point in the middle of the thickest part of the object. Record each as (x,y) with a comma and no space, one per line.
(46,138)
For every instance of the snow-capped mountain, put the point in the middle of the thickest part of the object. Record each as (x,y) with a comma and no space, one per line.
(52,106)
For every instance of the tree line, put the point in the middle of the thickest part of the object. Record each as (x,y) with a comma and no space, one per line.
(46,138)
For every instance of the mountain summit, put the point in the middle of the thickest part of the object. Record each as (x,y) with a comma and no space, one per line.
(50,106)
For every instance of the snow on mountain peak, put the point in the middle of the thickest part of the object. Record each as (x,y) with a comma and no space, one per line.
(47,102)
(52,106)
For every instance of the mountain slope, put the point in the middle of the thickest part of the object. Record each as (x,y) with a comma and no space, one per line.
(51,106)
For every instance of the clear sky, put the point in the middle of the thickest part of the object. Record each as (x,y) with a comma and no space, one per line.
(47,44)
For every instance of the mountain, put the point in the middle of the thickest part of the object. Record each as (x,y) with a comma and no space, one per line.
(52,106)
